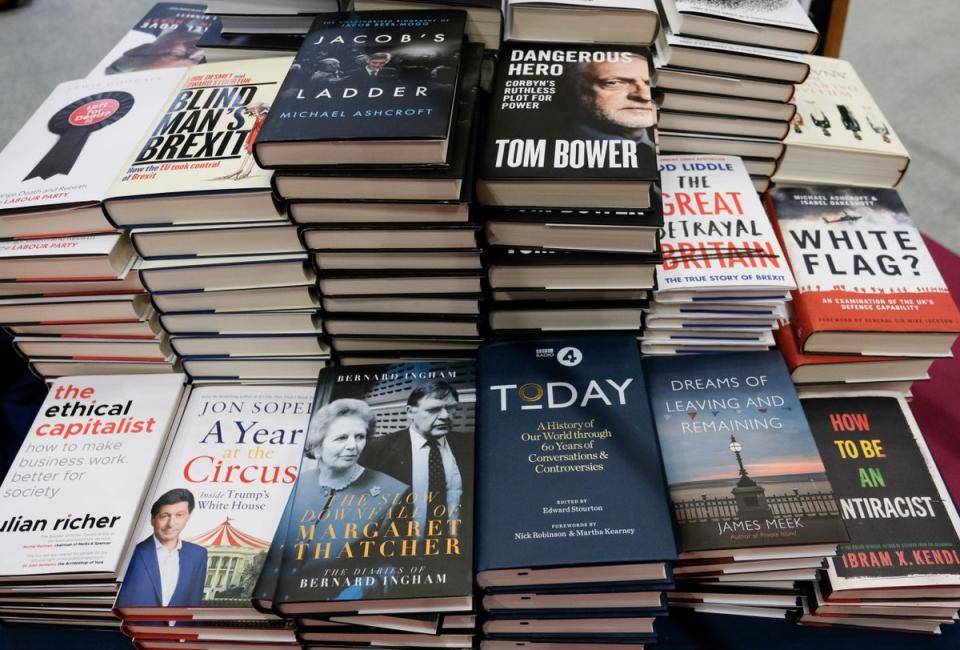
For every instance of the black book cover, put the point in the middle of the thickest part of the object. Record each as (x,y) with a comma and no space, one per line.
(377,75)
(650,218)
(215,38)
(545,257)
(571,111)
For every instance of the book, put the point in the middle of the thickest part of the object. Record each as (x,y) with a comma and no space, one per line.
(195,163)
(514,268)
(484,17)
(296,297)
(705,55)
(737,126)
(903,524)
(717,236)
(693,102)
(323,212)
(129,283)
(783,25)
(866,283)
(93,349)
(575,21)
(217,241)
(743,469)
(221,491)
(218,46)
(254,369)
(413,237)
(698,81)
(56,170)
(232,272)
(679,142)
(166,37)
(839,135)
(264,345)
(440,304)
(129,308)
(50,369)
(368,88)
(62,516)
(304,321)
(88,258)
(565,431)
(559,136)
(362,446)
(401,259)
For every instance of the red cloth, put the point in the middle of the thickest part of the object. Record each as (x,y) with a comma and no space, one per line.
(936,403)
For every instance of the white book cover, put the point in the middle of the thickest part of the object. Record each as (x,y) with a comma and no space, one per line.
(75,143)
(236,455)
(59,246)
(778,13)
(716,234)
(675,40)
(70,500)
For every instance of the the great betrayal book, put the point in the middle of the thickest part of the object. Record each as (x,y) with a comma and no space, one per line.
(570,116)
(716,234)
(381,516)
(565,434)
(864,275)
(195,163)
(57,168)
(742,466)
(903,525)
(70,501)
(221,492)
(368,87)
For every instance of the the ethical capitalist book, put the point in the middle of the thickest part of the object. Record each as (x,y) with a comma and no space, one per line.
(382,511)
(236,453)
(716,234)
(568,468)
(860,263)
(70,500)
(903,525)
(166,37)
(72,147)
(572,111)
(372,75)
(742,466)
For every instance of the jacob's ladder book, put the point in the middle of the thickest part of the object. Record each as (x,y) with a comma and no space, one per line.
(195,163)
(70,501)
(56,170)
(866,283)
(236,453)
(565,433)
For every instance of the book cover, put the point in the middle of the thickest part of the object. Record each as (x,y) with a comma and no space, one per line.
(382,511)
(71,498)
(389,75)
(902,522)
(574,111)
(565,433)
(860,263)
(202,140)
(716,234)
(222,489)
(75,143)
(166,37)
(776,13)
(742,466)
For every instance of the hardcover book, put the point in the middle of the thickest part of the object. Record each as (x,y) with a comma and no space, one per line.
(484,17)
(575,21)
(57,168)
(565,432)
(782,24)
(743,469)
(866,282)
(62,516)
(90,258)
(166,37)
(570,126)
(716,235)
(730,58)
(368,88)
(221,491)
(903,525)
(195,164)
(382,513)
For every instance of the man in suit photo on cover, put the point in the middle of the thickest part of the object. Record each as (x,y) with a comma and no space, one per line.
(427,455)
(166,571)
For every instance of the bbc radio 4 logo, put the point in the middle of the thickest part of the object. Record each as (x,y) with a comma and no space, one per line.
(568,356)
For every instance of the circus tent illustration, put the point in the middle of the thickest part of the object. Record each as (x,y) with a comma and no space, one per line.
(229,552)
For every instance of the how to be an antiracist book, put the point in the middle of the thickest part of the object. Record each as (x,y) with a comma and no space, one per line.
(235,454)
(70,500)
(866,282)
(743,469)
(381,517)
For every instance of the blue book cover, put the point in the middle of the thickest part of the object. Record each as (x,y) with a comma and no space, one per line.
(742,465)
(568,468)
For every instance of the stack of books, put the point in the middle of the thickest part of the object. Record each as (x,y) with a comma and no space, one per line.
(724,279)
(832,143)
(754,507)
(68,288)
(371,140)
(871,309)
(213,238)
(563,556)
(568,188)
(901,568)
(71,500)
(727,71)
